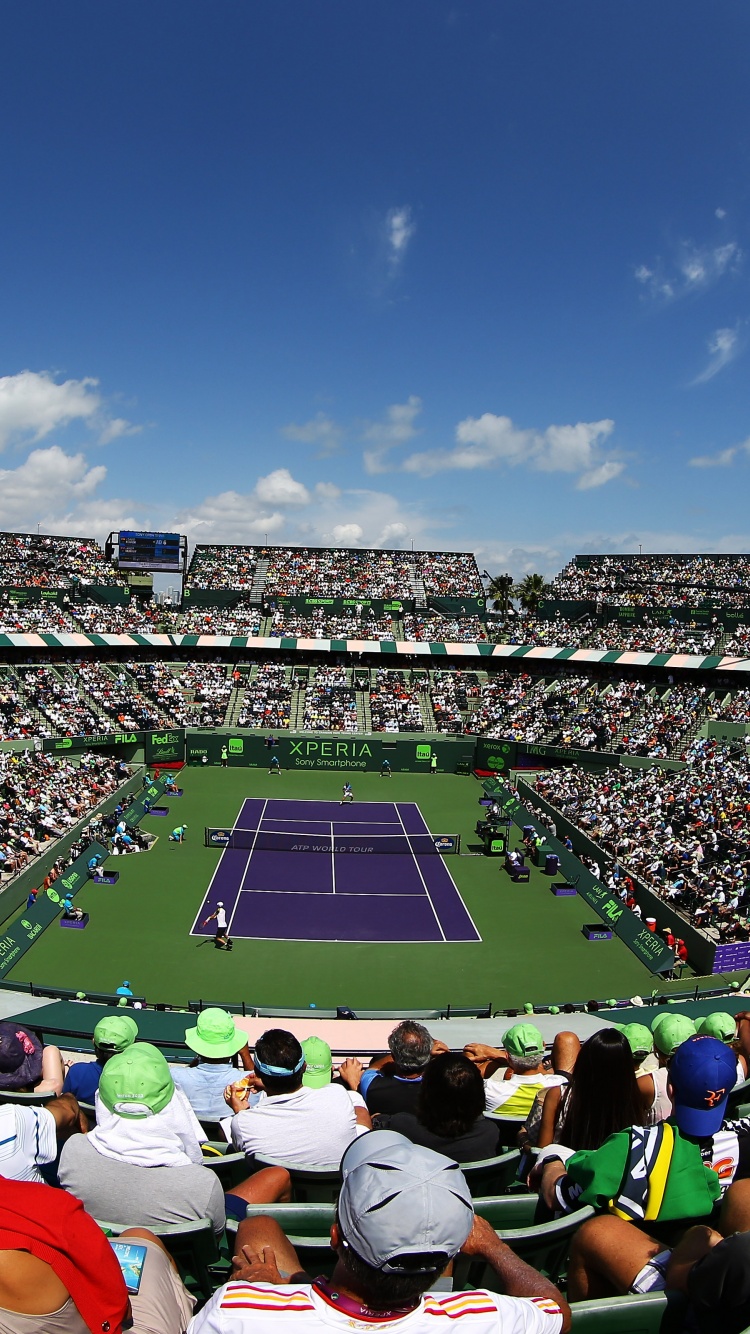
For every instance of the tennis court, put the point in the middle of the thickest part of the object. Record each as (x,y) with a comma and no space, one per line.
(317,870)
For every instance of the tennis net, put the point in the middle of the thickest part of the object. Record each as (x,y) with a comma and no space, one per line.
(277,840)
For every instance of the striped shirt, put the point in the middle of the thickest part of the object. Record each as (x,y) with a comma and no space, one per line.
(242,1308)
(28,1138)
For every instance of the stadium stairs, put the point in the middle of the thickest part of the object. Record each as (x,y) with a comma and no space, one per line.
(257,588)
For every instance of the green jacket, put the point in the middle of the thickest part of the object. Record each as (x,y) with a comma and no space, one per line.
(643,1173)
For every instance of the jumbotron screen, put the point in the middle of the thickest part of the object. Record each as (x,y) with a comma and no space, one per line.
(149,551)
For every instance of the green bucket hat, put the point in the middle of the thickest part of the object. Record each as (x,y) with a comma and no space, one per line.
(640,1039)
(718,1025)
(115,1032)
(524,1040)
(215,1035)
(136,1083)
(670,1031)
(318,1063)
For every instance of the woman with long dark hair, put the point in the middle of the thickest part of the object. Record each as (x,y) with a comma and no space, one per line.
(601,1098)
(449,1115)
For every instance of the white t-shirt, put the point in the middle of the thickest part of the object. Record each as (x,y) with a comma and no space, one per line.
(515,1096)
(28,1138)
(221,919)
(308,1127)
(244,1308)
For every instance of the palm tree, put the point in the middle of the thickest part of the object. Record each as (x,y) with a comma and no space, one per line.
(500,589)
(531,591)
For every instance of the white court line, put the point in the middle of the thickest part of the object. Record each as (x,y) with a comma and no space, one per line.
(419,872)
(333,860)
(456,890)
(325,894)
(204,900)
(279,819)
(247,867)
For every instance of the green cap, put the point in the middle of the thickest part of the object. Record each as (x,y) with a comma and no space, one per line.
(318,1063)
(524,1040)
(215,1035)
(640,1039)
(116,1031)
(670,1030)
(719,1025)
(136,1083)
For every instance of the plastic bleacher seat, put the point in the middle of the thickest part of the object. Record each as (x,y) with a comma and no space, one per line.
(214,1131)
(307,1227)
(508,1127)
(193,1246)
(310,1185)
(492,1176)
(543,1245)
(26,1099)
(230,1168)
(640,1313)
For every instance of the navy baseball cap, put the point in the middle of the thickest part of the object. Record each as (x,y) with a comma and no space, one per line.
(702,1073)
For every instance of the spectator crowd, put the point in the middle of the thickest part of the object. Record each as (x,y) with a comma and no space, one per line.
(634,1156)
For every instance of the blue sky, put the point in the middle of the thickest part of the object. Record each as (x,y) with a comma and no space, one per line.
(462,273)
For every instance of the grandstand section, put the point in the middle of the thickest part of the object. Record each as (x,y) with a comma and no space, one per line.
(347,659)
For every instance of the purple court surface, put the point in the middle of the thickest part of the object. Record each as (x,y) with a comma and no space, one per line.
(344,896)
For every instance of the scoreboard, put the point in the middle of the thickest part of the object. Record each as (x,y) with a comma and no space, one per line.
(150,551)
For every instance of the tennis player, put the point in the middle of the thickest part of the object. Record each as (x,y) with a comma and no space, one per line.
(221,939)
(346,794)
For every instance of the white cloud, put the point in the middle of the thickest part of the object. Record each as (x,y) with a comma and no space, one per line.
(723,346)
(724,459)
(348,534)
(228,517)
(327,491)
(694,269)
(399,228)
(490,440)
(720,212)
(44,487)
(280,488)
(397,429)
(393,535)
(605,472)
(116,428)
(321,430)
(33,404)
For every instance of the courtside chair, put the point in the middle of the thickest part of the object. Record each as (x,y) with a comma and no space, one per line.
(193,1246)
(492,1176)
(310,1185)
(543,1245)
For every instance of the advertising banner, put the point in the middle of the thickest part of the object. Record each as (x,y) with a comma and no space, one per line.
(58,745)
(376,607)
(330,751)
(648,947)
(21,934)
(471,605)
(166,747)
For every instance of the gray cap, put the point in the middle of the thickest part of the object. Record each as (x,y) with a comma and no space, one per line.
(402,1208)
